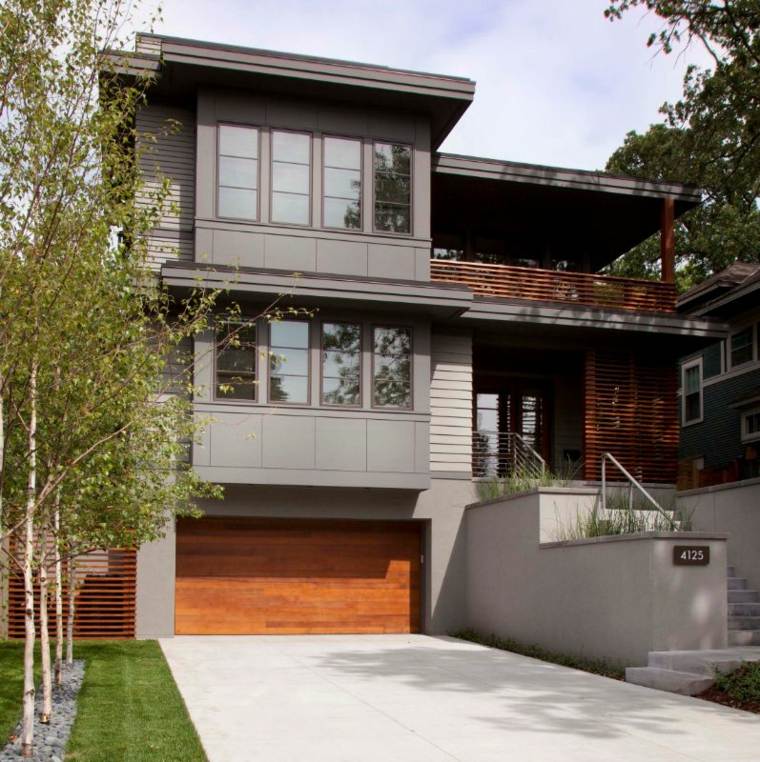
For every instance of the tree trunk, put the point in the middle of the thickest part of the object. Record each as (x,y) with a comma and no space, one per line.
(71,584)
(4,544)
(27,722)
(47,683)
(58,594)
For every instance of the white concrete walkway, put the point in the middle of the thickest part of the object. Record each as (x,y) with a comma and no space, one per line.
(368,698)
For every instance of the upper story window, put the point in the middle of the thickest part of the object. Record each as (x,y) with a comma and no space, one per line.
(692,392)
(751,425)
(236,361)
(393,187)
(342,183)
(289,361)
(741,347)
(341,363)
(238,172)
(291,177)
(392,367)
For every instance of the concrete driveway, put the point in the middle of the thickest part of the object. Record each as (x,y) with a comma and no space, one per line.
(404,698)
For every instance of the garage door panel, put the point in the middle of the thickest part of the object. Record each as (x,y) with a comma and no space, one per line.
(239,576)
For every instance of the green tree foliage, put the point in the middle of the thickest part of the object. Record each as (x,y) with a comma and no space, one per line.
(710,137)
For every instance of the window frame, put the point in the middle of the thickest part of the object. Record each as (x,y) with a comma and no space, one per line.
(325,136)
(308,324)
(372,403)
(335,406)
(310,135)
(695,363)
(746,437)
(752,328)
(259,131)
(256,374)
(410,146)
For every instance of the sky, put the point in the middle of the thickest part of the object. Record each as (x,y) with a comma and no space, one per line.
(557,83)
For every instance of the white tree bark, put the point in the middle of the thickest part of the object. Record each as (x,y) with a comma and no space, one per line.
(27,728)
(71,584)
(58,592)
(47,683)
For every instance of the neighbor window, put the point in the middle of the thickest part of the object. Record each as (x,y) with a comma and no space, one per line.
(692,392)
(291,177)
(289,361)
(392,173)
(341,363)
(392,367)
(236,361)
(741,347)
(751,425)
(342,183)
(238,172)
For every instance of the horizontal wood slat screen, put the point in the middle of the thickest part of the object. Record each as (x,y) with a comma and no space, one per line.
(287,576)
(589,289)
(631,411)
(105,597)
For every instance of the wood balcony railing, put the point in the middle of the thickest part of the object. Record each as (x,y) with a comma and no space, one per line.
(588,289)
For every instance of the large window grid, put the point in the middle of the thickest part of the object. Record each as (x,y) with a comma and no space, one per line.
(238,172)
(691,391)
(341,182)
(392,170)
(291,177)
(289,362)
(341,364)
(235,361)
(392,367)
(741,347)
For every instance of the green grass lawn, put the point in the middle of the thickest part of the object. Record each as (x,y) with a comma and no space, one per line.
(129,706)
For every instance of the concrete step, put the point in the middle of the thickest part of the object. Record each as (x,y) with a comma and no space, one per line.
(736,583)
(744,637)
(743,596)
(744,622)
(685,683)
(695,662)
(744,609)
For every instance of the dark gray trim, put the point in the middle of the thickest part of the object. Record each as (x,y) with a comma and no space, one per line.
(537,174)
(435,299)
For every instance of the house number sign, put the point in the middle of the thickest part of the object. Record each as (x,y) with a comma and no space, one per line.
(691,555)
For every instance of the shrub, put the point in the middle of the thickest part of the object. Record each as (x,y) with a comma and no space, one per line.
(742,685)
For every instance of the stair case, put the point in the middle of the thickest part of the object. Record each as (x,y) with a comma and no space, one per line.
(691,672)
(743,612)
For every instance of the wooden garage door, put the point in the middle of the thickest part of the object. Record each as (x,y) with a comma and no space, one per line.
(253,576)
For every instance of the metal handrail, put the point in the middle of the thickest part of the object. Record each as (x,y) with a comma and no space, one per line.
(632,483)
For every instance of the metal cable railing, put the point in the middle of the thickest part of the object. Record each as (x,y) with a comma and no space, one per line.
(502,453)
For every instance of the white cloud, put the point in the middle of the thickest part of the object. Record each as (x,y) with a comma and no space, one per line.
(556,82)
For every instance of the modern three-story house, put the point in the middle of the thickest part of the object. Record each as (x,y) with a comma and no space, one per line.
(457,327)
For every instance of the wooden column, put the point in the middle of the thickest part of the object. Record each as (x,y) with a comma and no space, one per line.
(668,241)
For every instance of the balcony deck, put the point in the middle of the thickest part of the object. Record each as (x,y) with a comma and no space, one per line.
(587,289)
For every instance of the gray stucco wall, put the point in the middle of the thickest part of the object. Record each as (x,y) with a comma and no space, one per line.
(311,248)
(609,598)
(440,508)
(735,510)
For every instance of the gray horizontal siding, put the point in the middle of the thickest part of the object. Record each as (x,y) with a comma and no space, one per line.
(711,360)
(718,437)
(166,142)
(451,403)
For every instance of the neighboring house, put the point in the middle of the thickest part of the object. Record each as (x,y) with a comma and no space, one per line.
(462,328)
(720,384)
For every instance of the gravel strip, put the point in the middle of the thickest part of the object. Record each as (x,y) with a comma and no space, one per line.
(50,740)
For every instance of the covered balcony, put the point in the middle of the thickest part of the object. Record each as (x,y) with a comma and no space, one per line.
(543,234)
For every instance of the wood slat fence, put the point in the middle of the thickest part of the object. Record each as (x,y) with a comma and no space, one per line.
(589,289)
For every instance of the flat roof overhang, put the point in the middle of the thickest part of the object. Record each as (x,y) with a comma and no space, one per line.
(577,211)
(559,322)
(185,65)
(434,300)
